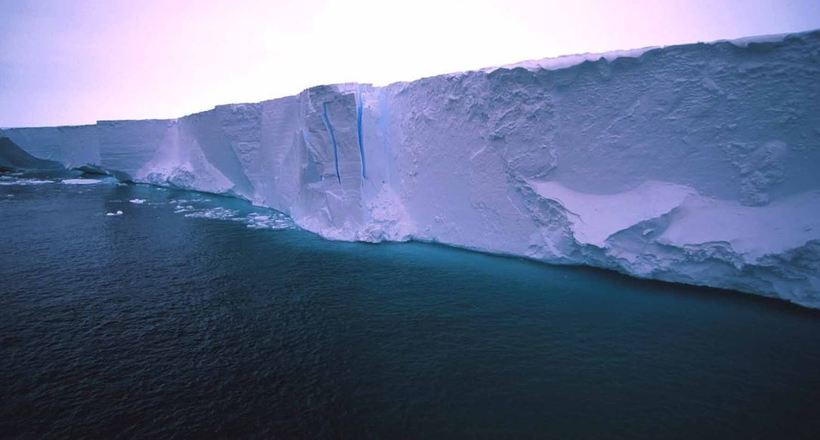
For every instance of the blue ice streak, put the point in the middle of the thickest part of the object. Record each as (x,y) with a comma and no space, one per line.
(359,111)
(329,128)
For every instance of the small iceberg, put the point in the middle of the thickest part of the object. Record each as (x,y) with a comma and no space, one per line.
(137,201)
(112,214)
(81,181)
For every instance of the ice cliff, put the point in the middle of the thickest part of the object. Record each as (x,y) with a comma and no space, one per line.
(696,164)
(13,158)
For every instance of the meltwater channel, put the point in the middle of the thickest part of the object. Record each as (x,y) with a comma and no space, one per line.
(135,311)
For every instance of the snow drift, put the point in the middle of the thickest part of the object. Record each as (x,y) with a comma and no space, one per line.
(694,163)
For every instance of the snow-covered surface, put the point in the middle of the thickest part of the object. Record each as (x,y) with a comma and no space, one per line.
(567,61)
(694,163)
(596,217)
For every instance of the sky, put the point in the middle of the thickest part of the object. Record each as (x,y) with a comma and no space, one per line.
(68,62)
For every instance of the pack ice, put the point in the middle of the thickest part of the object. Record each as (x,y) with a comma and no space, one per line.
(697,164)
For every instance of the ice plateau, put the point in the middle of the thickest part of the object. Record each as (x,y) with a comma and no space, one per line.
(697,163)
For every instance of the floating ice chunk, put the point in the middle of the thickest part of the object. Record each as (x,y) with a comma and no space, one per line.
(269,221)
(81,181)
(112,214)
(137,201)
(11,181)
(218,213)
(186,208)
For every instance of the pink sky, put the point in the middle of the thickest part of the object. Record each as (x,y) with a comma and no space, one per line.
(74,62)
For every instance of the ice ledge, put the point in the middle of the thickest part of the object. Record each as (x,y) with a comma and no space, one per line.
(675,234)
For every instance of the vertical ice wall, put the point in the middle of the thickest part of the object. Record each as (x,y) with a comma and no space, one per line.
(121,146)
(126,145)
(691,163)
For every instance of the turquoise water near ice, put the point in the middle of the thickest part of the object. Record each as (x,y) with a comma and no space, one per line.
(201,316)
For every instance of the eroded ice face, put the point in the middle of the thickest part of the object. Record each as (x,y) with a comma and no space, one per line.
(688,163)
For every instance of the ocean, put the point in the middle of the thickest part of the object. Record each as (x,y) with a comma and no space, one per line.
(135,311)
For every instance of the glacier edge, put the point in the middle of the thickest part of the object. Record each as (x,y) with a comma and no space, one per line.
(690,163)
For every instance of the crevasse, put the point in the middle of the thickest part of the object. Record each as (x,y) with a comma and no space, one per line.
(332,135)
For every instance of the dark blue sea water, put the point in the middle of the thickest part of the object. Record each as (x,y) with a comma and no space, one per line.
(176,318)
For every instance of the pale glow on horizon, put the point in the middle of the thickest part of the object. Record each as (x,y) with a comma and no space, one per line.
(78,62)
